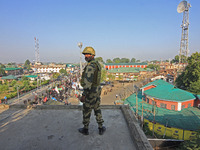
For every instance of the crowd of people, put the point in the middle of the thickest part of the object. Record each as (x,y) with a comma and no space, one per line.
(61,91)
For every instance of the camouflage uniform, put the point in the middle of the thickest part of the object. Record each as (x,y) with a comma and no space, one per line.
(92,90)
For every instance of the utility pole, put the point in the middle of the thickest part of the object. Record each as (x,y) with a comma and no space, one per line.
(37,55)
(142,114)
(136,104)
(154,114)
(80,44)
(18,92)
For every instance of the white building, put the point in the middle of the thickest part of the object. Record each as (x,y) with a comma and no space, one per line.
(48,68)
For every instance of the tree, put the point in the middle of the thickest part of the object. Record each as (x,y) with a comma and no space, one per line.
(27,64)
(2,66)
(192,143)
(190,78)
(13,82)
(100,59)
(55,75)
(176,59)
(111,77)
(4,88)
(2,71)
(116,60)
(109,61)
(153,66)
(103,75)
(133,60)
(24,78)
(137,60)
(63,71)
(125,60)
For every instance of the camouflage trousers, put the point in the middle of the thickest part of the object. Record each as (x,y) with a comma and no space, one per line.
(92,102)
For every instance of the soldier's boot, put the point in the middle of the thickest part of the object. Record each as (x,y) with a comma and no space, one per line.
(84,131)
(102,130)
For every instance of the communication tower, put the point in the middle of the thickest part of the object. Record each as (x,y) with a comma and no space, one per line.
(37,56)
(183,7)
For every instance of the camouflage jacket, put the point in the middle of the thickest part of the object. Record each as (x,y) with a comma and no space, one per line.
(91,77)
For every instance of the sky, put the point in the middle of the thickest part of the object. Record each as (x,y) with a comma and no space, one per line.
(141,29)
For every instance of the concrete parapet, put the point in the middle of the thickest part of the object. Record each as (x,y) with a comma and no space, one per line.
(136,132)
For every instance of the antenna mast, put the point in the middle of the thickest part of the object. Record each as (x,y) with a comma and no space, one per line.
(184,7)
(37,56)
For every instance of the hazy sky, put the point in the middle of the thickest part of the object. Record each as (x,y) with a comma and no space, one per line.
(143,29)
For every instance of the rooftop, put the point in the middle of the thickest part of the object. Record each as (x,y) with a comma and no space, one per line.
(8,69)
(9,77)
(128,70)
(31,76)
(126,64)
(177,119)
(167,91)
(56,127)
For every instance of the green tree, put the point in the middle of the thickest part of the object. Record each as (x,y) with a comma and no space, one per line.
(109,61)
(2,66)
(116,60)
(13,82)
(103,75)
(63,71)
(125,60)
(2,71)
(111,77)
(133,60)
(137,61)
(192,144)
(4,88)
(153,66)
(190,78)
(176,59)
(55,75)
(24,78)
(27,64)
(120,77)
(100,59)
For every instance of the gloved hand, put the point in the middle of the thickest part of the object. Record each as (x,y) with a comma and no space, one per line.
(82,99)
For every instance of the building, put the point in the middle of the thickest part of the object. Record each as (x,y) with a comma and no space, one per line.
(13,71)
(70,67)
(32,77)
(8,78)
(108,66)
(197,102)
(129,73)
(172,124)
(165,95)
(48,68)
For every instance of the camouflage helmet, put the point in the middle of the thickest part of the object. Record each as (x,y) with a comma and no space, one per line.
(89,50)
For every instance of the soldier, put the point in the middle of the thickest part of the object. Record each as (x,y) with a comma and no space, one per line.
(90,82)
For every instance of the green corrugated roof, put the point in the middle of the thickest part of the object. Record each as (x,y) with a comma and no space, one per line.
(8,69)
(187,119)
(126,64)
(128,69)
(70,65)
(10,77)
(31,76)
(166,91)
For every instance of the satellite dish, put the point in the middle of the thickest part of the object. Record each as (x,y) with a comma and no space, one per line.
(182,6)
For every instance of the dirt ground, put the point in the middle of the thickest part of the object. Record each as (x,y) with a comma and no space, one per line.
(123,90)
